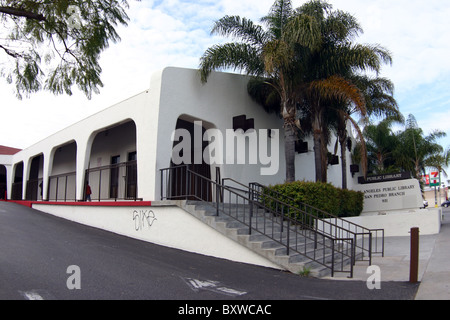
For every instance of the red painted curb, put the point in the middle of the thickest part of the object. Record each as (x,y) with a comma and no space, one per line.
(29,204)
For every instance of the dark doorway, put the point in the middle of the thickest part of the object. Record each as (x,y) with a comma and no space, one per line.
(132,176)
(3,195)
(18,182)
(34,183)
(114,177)
(196,185)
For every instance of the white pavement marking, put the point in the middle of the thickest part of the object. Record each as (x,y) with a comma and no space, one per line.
(213,286)
(31,295)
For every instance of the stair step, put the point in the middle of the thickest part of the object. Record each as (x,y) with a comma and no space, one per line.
(270,237)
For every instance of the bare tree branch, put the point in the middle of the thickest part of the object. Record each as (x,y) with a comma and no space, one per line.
(22,13)
(10,52)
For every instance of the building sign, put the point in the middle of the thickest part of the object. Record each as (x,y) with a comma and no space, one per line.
(434,179)
(426,179)
(392,195)
(385,177)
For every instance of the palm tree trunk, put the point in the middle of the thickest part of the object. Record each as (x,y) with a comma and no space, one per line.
(318,154)
(290,136)
(318,145)
(324,157)
(289,147)
(343,163)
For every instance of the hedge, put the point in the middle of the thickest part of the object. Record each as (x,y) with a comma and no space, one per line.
(323,196)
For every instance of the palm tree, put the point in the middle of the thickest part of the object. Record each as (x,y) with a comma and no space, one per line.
(329,71)
(379,102)
(381,143)
(269,55)
(299,62)
(415,151)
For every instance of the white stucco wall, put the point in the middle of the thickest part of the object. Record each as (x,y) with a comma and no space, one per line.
(83,134)
(399,223)
(173,93)
(167,226)
(6,160)
(215,103)
(396,223)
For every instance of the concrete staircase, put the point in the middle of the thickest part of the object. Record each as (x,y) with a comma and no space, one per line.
(268,237)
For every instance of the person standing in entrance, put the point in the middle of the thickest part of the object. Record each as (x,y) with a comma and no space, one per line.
(88,192)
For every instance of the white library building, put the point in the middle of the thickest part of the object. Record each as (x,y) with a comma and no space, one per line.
(120,151)
(184,165)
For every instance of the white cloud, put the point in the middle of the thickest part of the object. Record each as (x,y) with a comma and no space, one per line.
(415,33)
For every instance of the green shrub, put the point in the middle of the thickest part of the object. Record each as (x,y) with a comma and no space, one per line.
(323,196)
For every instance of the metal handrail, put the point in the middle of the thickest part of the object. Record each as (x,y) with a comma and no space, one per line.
(236,182)
(334,229)
(371,233)
(101,183)
(247,191)
(56,188)
(315,244)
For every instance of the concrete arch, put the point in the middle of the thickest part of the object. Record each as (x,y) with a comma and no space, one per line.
(206,125)
(189,148)
(117,141)
(60,172)
(16,189)
(33,188)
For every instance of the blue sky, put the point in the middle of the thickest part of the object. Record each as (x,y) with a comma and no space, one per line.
(177,32)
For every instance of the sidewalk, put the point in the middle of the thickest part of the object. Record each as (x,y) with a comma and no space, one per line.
(434,263)
(395,264)
(435,284)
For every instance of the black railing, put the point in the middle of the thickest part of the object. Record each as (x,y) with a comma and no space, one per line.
(3,191)
(35,189)
(367,241)
(17,190)
(113,182)
(296,235)
(63,187)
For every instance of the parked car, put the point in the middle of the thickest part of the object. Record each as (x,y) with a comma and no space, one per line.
(446,204)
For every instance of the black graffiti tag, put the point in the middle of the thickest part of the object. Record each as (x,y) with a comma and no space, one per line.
(143,218)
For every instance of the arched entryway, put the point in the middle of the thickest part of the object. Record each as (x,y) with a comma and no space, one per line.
(35,187)
(17,186)
(112,169)
(62,180)
(190,186)
(3,188)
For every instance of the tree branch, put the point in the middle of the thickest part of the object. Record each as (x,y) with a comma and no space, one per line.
(22,13)
(10,52)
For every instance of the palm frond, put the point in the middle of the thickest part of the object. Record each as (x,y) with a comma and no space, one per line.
(265,93)
(235,56)
(277,55)
(341,27)
(278,17)
(240,28)
(378,93)
(336,87)
(303,30)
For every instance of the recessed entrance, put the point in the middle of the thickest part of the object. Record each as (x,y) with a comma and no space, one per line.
(191,186)
(17,186)
(3,182)
(34,183)
(112,172)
